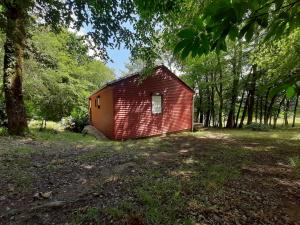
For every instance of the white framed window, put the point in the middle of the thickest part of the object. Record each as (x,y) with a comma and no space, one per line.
(156,103)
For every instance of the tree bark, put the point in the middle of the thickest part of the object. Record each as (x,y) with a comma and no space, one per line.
(278,112)
(213,112)
(252,94)
(234,90)
(207,113)
(256,108)
(295,111)
(244,111)
(220,93)
(286,110)
(16,19)
(261,110)
(239,110)
(266,107)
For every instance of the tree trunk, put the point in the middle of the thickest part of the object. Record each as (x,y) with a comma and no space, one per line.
(286,110)
(13,68)
(278,112)
(244,111)
(295,111)
(252,94)
(239,110)
(236,69)
(256,109)
(270,107)
(220,93)
(261,110)
(207,113)
(213,112)
(266,107)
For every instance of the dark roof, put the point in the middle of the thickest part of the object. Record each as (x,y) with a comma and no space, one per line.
(113,82)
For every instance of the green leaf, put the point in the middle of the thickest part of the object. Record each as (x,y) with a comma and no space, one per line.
(233,33)
(205,43)
(186,51)
(195,46)
(240,8)
(278,4)
(249,33)
(187,33)
(254,4)
(244,29)
(290,92)
(181,45)
(263,21)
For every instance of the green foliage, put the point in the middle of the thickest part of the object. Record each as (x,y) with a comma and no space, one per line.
(205,27)
(3,131)
(106,20)
(78,119)
(257,127)
(59,74)
(3,117)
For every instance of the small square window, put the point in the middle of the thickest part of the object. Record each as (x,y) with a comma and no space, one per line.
(156,104)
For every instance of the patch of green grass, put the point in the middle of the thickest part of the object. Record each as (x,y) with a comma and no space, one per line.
(89,216)
(162,200)
(115,212)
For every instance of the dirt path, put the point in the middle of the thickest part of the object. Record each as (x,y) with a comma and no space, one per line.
(215,179)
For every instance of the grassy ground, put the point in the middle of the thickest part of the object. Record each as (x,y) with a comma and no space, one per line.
(208,177)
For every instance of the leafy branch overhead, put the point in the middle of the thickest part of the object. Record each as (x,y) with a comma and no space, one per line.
(237,19)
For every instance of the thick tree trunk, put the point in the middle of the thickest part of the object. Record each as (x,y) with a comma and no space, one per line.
(13,69)
(295,111)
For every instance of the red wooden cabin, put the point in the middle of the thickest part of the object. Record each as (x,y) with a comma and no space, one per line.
(130,108)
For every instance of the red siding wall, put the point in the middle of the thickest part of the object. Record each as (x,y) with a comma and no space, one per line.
(102,118)
(132,106)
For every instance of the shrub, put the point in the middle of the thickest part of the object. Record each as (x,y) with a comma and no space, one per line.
(257,127)
(77,120)
(3,131)
(3,117)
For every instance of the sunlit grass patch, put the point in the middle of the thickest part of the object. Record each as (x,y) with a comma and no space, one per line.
(162,201)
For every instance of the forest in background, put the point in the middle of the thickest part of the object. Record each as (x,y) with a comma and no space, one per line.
(241,57)
(59,76)
(249,83)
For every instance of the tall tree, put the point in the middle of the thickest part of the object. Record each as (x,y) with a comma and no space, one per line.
(107,27)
